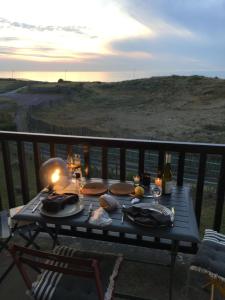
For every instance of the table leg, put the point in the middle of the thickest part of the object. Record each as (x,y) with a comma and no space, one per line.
(4,245)
(174,250)
(28,239)
(7,271)
(52,232)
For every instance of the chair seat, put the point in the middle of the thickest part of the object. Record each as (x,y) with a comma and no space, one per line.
(210,258)
(58,286)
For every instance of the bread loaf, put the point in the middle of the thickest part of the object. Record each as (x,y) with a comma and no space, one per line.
(108,202)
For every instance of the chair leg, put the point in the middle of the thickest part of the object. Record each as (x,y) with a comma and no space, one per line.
(4,244)
(220,286)
(212,291)
(174,250)
(98,281)
(209,283)
(7,271)
(21,269)
(187,284)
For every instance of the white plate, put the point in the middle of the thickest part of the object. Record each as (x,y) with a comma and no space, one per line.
(156,207)
(151,206)
(69,210)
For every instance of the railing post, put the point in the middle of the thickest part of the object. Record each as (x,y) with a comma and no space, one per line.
(37,164)
(52,150)
(1,203)
(23,172)
(122,164)
(200,186)
(161,160)
(141,162)
(104,162)
(8,173)
(180,171)
(86,150)
(220,197)
(69,150)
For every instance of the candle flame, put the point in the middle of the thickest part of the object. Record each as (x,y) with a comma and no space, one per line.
(55,176)
(86,171)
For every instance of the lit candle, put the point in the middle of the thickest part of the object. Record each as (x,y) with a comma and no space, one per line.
(86,171)
(55,176)
(158,181)
(136,180)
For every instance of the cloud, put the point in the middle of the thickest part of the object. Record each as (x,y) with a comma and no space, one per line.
(8,39)
(82,30)
(186,31)
(39,52)
(47,53)
(205,17)
(175,52)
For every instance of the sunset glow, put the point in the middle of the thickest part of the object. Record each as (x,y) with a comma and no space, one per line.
(112,35)
(74,31)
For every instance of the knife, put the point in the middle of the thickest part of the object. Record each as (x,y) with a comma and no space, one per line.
(90,209)
(39,201)
(122,218)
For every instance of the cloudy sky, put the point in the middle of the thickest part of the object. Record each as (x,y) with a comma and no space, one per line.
(113,35)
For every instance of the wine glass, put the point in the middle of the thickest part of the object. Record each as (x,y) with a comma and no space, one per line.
(156,192)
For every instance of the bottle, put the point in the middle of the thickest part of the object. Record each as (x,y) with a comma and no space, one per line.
(167,183)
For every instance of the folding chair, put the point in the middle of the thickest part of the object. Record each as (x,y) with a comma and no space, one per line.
(210,260)
(64,272)
(7,231)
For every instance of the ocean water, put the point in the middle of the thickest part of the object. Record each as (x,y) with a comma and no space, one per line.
(54,76)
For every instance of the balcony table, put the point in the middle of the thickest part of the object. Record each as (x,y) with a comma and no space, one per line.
(182,236)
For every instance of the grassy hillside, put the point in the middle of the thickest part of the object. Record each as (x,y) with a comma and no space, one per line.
(7,114)
(7,85)
(184,108)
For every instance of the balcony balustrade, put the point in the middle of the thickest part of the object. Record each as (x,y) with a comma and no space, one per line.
(34,148)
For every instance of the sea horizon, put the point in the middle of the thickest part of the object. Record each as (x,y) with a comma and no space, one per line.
(103,76)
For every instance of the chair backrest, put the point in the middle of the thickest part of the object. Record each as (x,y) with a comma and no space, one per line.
(83,267)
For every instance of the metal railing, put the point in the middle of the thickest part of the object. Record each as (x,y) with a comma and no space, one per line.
(201,150)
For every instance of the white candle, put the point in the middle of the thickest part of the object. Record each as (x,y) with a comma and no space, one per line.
(136,180)
(158,181)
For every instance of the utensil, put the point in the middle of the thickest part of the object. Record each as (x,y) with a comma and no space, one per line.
(37,205)
(148,196)
(122,218)
(90,209)
(173,210)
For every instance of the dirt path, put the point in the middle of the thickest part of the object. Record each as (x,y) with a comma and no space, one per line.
(25,101)
(31,99)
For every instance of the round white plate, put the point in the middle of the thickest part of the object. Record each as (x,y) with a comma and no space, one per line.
(156,207)
(69,210)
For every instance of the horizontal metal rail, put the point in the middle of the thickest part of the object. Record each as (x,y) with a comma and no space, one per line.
(114,143)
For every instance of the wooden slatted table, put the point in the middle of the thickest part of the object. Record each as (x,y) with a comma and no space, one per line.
(183,236)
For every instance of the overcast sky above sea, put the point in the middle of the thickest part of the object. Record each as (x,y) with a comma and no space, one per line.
(113,35)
